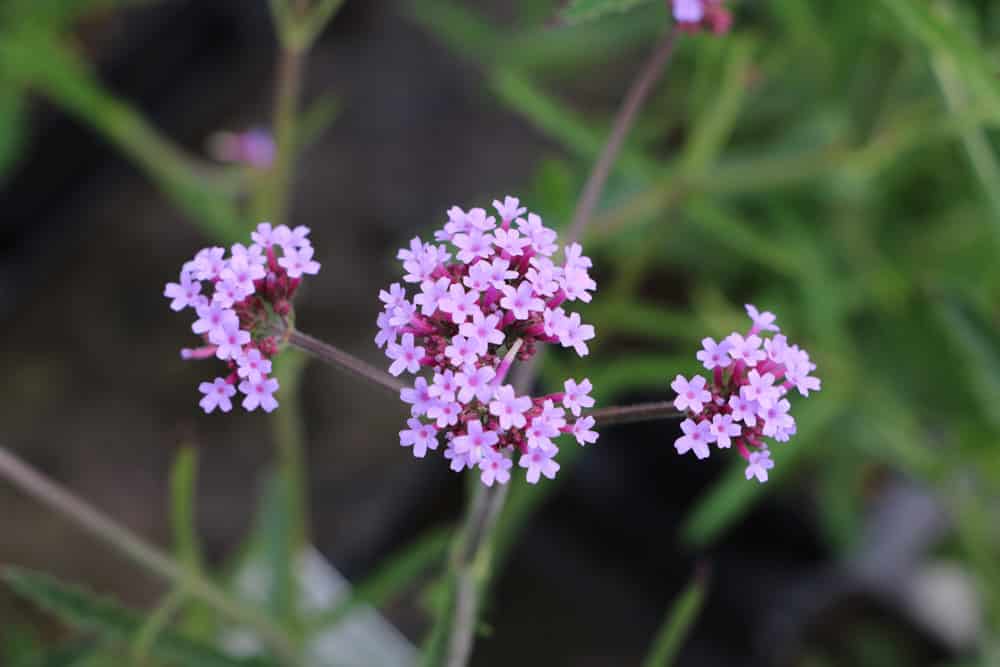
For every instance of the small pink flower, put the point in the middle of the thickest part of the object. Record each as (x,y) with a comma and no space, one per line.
(577,396)
(476,440)
(696,437)
(583,430)
(509,408)
(521,301)
(758,464)
(217,395)
(186,294)
(445,414)
(539,462)
(298,262)
(476,383)
(259,393)
(509,209)
(462,351)
(510,241)
(714,355)
(444,386)
(495,467)
(459,303)
(418,396)
(723,429)
(690,395)
(253,365)
(230,341)
(406,356)
(761,321)
(420,436)
(573,334)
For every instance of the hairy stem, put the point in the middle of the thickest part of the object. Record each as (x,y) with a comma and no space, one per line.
(472,572)
(95,522)
(336,357)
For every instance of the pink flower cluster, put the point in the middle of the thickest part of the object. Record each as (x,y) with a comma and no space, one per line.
(242,321)
(745,400)
(697,15)
(488,293)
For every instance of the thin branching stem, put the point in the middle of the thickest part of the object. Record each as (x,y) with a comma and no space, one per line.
(627,414)
(336,357)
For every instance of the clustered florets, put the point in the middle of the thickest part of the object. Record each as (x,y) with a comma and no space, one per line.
(246,315)
(474,314)
(745,400)
(696,15)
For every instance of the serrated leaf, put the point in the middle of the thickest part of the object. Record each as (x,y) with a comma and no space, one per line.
(113,621)
(580,11)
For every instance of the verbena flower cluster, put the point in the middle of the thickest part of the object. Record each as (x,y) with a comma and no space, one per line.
(486,294)
(745,400)
(244,317)
(697,15)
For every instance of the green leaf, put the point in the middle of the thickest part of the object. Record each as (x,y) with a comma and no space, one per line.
(198,618)
(677,623)
(579,11)
(183,481)
(113,621)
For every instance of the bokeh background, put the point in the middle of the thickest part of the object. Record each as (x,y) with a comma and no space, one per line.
(833,162)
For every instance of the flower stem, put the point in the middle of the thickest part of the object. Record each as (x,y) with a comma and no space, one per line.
(627,414)
(336,357)
(624,120)
(62,501)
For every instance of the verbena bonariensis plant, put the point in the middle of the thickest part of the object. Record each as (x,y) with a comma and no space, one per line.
(487,294)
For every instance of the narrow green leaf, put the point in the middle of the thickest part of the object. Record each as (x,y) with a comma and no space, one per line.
(183,481)
(113,621)
(579,11)
(678,623)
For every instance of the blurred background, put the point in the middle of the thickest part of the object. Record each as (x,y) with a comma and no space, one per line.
(832,162)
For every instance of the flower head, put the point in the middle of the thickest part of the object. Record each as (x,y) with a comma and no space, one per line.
(489,292)
(243,315)
(747,397)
